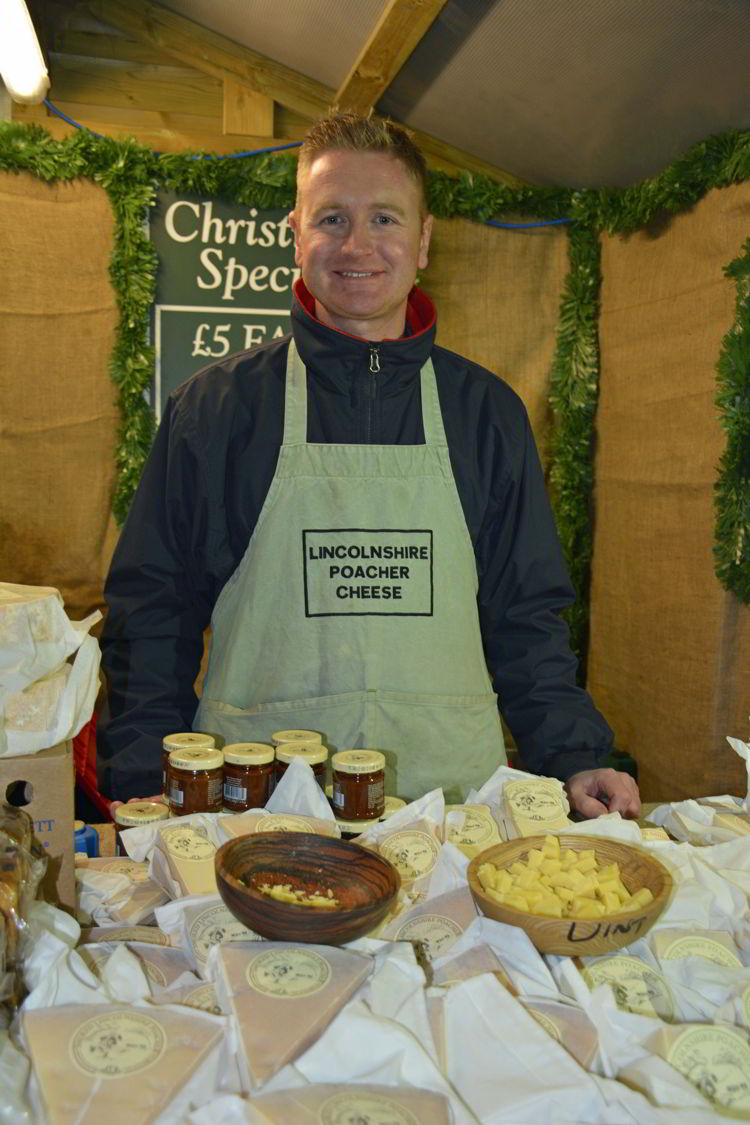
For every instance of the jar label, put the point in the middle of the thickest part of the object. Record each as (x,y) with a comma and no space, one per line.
(117,1044)
(375,1109)
(412,853)
(288,973)
(435,931)
(188,843)
(637,987)
(213,926)
(234,792)
(717,1061)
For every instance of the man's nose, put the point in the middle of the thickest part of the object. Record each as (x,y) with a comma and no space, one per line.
(359,238)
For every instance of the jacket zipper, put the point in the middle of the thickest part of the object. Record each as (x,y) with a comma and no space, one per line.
(372,390)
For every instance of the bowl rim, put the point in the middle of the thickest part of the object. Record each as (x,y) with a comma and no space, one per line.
(659,900)
(293,908)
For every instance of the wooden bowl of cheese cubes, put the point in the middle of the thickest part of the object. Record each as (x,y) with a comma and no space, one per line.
(573,895)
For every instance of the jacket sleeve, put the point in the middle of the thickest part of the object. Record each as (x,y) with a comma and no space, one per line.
(523,586)
(159,602)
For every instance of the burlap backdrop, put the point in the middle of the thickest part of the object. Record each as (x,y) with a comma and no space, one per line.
(58,406)
(670,650)
(498,297)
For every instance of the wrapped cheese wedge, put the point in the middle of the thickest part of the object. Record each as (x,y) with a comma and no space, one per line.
(337,1105)
(569,1025)
(637,986)
(449,971)
(435,925)
(282,996)
(148,934)
(199,922)
(183,859)
(242,824)
(161,964)
(716,1060)
(97,1063)
(472,828)
(672,944)
(534,806)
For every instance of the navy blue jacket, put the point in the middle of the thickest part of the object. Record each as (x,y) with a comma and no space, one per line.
(204,485)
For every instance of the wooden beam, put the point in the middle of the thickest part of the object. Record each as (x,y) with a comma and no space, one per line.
(214,54)
(160,132)
(170,88)
(402,24)
(245,111)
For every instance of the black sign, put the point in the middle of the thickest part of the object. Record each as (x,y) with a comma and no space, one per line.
(224,283)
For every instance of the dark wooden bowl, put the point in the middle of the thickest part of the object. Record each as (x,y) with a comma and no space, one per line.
(364,883)
(582,936)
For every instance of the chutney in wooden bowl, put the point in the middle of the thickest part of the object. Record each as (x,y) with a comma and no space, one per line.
(362,884)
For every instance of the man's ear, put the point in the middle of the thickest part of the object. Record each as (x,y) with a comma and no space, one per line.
(293,220)
(424,241)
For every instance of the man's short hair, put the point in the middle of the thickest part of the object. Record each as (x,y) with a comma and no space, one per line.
(353,132)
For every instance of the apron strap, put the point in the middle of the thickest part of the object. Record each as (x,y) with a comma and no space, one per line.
(295,402)
(295,398)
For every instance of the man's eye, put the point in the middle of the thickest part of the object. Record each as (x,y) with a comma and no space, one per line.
(331,220)
(383,219)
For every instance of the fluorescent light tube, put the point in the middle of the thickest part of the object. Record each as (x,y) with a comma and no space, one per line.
(21,62)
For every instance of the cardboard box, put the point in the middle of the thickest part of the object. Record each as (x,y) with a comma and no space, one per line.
(43,784)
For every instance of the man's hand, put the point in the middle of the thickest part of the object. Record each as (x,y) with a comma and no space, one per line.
(595,792)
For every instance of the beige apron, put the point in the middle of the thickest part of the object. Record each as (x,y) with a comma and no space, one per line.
(353,611)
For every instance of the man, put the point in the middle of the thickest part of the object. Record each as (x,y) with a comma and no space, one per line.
(361,515)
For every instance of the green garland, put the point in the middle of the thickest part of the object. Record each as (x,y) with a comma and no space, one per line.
(131,173)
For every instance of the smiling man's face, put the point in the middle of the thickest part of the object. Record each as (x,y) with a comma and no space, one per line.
(360,237)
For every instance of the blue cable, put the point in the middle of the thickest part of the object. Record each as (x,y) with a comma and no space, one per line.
(280,148)
(522,226)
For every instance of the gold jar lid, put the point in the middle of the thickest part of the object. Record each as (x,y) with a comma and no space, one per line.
(392,805)
(248,753)
(188,738)
(358,761)
(135,813)
(356,827)
(310,752)
(196,758)
(280,736)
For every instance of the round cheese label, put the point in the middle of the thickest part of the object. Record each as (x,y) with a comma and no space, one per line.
(477,828)
(138,872)
(284,822)
(436,932)
(189,843)
(148,934)
(213,926)
(694,945)
(412,852)
(117,1044)
(717,1061)
(203,997)
(353,1107)
(288,973)
(535,802)
(637,987)
(154,973)
(745,1000)
(548,1024)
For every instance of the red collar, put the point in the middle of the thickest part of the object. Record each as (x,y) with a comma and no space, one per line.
(420,311)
